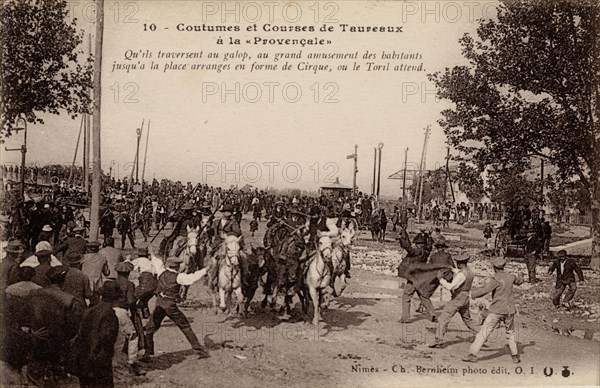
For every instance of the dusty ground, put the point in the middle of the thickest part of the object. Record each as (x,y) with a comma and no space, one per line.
(360,342)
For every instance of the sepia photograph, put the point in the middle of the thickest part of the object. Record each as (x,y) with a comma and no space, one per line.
(333,193)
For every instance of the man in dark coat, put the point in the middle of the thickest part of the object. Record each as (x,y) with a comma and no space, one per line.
(107,224)
(9,269)
(566,268)
(93,348)
(125,228)
(60,313)
(73,248)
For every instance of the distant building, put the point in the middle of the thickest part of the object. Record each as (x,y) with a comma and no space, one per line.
(336,189)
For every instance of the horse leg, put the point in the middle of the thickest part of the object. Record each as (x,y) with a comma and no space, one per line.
(222,304)
(314,295)
(240,307)
(343,284)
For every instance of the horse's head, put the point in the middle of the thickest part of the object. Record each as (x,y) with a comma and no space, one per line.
(232,246)
(192,239)
(347,235)
(325,245)
(259,253)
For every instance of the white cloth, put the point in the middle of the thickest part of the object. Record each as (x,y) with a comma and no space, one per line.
(32,261)
(458,279)
(143,264)
(184,279)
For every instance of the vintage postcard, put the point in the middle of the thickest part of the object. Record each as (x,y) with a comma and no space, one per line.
(336,193)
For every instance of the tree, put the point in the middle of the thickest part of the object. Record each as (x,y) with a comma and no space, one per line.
(433,186)
(531,89)
(41,69)
(470,182)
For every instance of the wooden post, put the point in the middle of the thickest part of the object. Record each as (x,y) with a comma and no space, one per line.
(355,170)
(421,168)
(404,178)
(374,169)
(145,152)
(96,138)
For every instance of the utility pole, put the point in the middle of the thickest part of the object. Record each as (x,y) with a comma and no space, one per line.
(146,151)
(137,153)
(374,170)
(97,168)
(542,182)
(23,150)
(404,178)
(86,138)
(421,168)
(449,178)
(380,146)
(355,157)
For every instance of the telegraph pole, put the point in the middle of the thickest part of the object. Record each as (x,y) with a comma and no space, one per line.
(542,182)
(380,146)
(355,170)
(146,151)
(404,177)
(97,168)
(374,169)
(421,168)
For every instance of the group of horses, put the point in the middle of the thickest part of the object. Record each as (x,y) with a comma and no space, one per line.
(285,266)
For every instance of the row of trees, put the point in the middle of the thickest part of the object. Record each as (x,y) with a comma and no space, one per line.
(531,89)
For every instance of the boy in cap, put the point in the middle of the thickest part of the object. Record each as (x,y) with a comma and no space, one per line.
(459,288)
(146,282)
(501,309)
(10,265)
(566,268)
(169,285)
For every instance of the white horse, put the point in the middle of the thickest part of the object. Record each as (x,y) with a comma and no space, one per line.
(190,250)
(340,249)
(318,277)
(230,277)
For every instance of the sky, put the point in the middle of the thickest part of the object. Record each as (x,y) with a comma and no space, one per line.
(198,132)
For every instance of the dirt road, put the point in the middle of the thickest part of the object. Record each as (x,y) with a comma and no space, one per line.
(359,343)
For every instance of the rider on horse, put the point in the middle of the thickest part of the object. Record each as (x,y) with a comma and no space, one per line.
(319,225)
(221,228)
(179,235)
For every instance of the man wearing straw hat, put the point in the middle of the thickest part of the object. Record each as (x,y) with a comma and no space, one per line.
(9,269)
(502,309)
(460,288)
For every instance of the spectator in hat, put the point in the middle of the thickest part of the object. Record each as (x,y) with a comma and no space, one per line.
(107,224)
(565,268)
(73,248)
(459,288)
(112,255)
(125,228)
(43,252)
(58,312)
(78,284)
(147,281)
(94,265)
(46,234)
(10,264)
(130,323)
(488,232)
(502,309)
(33,261)
(94,347)
(169,284)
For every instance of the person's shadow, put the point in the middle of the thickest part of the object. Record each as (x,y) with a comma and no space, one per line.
(499,352)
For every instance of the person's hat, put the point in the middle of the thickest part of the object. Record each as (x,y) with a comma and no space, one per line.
(295,201)
(498,262)
(124,266)
(57,272)
(43,248)
(93,245)
(462,258)
(172,261)
(187,206)
(47,228)
(205,205)
(561,253)
(47,206)
(227,209)
(14,246)
(346,207)
(142,251)
(440,244)
(78,229)
(110,290)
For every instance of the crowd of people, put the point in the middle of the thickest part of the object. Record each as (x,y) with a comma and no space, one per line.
(68,299)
